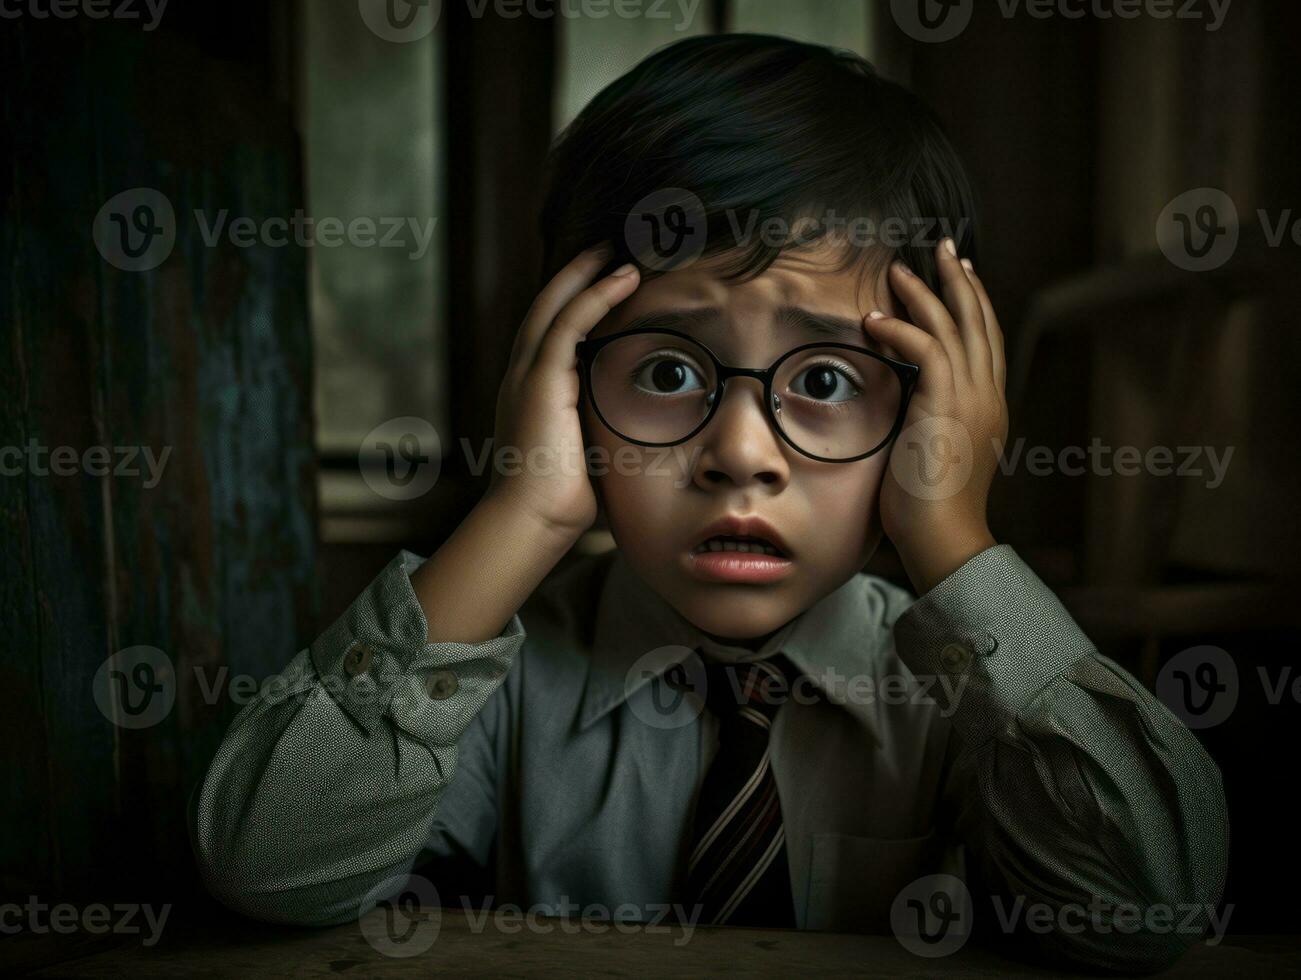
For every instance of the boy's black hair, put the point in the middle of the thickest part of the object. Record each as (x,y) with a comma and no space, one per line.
(759,127)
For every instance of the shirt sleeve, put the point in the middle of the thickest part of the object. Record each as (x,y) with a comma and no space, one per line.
(327,783)
(1075,789)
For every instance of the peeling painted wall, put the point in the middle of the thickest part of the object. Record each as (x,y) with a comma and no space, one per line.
(206,357)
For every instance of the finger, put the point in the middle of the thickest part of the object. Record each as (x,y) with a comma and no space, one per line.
(964,306)
(927,312)
(563,287)
(997,347)
(581,314)
(915,345)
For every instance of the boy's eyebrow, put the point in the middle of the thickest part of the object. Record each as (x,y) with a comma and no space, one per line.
(836,327)
(792,317)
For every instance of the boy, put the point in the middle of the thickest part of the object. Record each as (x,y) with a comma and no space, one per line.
(724,714)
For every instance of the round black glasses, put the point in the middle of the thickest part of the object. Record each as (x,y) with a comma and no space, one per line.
(835,403)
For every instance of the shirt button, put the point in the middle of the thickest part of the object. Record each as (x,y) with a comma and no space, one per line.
(986,644)
(357,661)
(441,685)
(954,656)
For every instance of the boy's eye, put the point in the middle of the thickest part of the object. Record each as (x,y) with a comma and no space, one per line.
(824,382)
(667,376)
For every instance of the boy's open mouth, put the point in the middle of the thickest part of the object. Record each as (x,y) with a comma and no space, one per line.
(750,534)
(746,545)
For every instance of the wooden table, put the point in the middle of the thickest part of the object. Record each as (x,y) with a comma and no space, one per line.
(504,945)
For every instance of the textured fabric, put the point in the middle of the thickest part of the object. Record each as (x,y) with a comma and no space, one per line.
(737,872)
(974,732)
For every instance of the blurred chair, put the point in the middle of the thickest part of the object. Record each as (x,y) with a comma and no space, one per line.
(1156,356)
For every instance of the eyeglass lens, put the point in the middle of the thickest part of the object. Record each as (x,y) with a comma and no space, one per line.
(830,402)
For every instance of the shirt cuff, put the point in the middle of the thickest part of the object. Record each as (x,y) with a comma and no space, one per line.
(376,659)
(993,636)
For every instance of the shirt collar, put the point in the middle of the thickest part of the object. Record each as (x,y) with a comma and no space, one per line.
(635,626)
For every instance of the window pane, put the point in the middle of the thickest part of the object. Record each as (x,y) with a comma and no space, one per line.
(837,23)
(371,124)
(594,51)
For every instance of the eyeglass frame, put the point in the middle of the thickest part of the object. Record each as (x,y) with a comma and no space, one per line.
(907,373)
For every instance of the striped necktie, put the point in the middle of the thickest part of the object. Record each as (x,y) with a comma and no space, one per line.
(737,871)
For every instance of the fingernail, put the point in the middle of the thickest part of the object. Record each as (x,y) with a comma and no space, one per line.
(876,315)
(624,271)
(951,248)
(966,264)
(903,268)
(605,250)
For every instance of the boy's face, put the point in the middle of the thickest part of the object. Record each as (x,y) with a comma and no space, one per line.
(660,507)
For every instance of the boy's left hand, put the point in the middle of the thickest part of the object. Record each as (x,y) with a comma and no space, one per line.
(936,491)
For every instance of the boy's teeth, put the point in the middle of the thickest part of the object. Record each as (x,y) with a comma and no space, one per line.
(748,547)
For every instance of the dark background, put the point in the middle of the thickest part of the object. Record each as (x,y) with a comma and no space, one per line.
(1078,132)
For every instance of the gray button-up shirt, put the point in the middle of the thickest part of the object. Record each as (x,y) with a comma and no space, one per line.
(974,734)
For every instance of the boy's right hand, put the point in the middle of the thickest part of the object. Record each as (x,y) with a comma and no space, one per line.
(537,404)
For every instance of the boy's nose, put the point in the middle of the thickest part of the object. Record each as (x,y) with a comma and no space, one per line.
(740,446)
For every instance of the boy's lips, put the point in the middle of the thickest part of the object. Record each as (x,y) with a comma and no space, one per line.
(737,567)
(734,526)
(739,550)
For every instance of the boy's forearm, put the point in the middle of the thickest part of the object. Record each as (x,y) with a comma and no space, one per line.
(931,554)
(483,573)
(1069,766)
